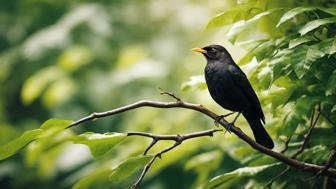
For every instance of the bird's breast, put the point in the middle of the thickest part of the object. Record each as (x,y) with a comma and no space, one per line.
(216,73)
(222,88)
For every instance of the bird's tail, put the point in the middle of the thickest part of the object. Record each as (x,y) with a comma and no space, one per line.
(259,132)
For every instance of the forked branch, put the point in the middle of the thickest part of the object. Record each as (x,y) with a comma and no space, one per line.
(178,140)
(292,162)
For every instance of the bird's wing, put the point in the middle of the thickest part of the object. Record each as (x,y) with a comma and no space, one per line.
(243,83)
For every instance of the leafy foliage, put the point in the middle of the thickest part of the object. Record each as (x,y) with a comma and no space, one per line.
(293,63)
(86,57)
(99,144)
(237,175)
(104,177)
(13,146)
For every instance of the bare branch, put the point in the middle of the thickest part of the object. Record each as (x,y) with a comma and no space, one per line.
(328,119)
(199,108)
(286,145)
(150,146)
(307,136)
(162,92)
(269,184)
(176,138)
(329,163)
(149,164)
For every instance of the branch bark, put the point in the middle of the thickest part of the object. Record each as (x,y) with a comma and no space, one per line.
(313,122)
(155,138)
(177,138)
(314,168)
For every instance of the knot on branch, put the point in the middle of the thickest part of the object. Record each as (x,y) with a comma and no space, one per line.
(179,139)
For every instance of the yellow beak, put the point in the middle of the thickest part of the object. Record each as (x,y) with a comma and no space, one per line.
(199,50)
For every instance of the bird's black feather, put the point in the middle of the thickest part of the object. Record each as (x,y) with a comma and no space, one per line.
(230,88)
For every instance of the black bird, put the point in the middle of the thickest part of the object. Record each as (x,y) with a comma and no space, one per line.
(230,88)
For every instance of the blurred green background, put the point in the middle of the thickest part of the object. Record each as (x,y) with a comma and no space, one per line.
(67,59)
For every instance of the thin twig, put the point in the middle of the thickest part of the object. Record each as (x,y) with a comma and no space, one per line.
(307,136)
(178,140)
(162,92)
(328,119)
(286,145)
(149,164)
(329,163)
(269,184)
(150,146)
(199,108)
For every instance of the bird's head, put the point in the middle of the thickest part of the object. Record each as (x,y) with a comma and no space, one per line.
(214,53)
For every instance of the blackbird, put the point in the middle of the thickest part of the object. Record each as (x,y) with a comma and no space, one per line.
(230,88)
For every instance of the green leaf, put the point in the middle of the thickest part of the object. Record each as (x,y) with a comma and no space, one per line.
(106,176)
(53,136)
(128,167)
(99,144)
(279,98)
(195,82)
(13,146)
(331,86)
(265,77)
(291,122)
(315,24)
(331,11)
(318,154)
(261,49)
(237,174)
(301,40)
(280,63)
(96,179)
(323,136)
(35,85)
(228,17)
(292,13)
(245,26)
(46,159)
(305,104)
(303,57)
(327,46)
(333,109)
(75,57)
(53,126)
(56,124)
(58,92)
(205,161)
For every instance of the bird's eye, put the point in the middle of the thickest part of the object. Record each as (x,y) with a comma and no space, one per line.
(212,50)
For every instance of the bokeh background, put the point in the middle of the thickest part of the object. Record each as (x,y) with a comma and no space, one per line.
(66,59)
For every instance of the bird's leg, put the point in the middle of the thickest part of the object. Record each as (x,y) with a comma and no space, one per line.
(229,126)
(218,118)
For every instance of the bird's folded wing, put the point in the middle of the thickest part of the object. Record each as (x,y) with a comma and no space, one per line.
(243,83)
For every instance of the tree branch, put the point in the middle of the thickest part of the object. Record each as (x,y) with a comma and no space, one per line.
(328,119)
(286,145)
(329,163)
(307,136)
(178,140)
(269,184)
(199,108)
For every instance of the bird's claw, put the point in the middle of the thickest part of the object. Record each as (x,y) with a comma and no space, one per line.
(228,127)
(218,119)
